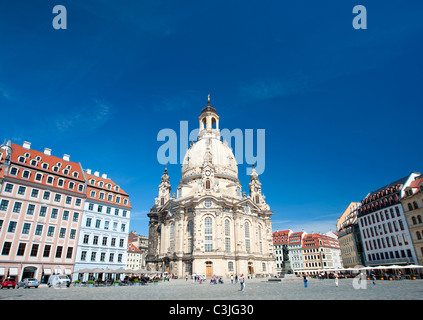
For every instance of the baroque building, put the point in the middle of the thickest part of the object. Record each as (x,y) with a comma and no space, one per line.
(210,227)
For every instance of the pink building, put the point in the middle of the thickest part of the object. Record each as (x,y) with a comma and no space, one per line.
(41,203)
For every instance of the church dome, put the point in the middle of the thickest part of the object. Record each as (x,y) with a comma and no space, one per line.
(221,156)
(209,148)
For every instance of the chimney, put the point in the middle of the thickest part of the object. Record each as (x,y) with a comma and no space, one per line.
(47,151)
(104,176)
(26,145)
(88,171)
(66,157)
(97,174)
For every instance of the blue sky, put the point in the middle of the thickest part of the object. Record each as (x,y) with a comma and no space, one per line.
(341,107)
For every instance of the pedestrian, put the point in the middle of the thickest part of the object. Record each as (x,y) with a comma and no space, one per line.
(232,278)
(242,282)
(236,279)
(336,279)
(305,281)
(186,278)
(372,276)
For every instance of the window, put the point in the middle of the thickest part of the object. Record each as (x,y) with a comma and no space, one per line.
(75,216)
(46,195)
(17,207)
(34,193)
(21,190)
(60,182)
(39,230)
(13,171)
(65,215)
(8,187)
(26,227)
(208,228)
(86,239)
(43,211)
(62,232)
(46,252)
(68,200)
(207,203)
(59,250)
(50,231)
(3,205)
(72,234)
(54,213)
(26,174)
(69,253)
(88,222)
(97,223)
(227,236)
(21,249)
(247,236)
(57,197)
(190,236)
(208,244)
(6,248)
(172,236)
(38,177)
(30,209)
(34,250)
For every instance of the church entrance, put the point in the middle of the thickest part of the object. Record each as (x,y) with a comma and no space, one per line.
(209,268)
(250,268)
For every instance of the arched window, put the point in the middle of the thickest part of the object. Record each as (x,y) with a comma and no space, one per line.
(190,236)
(207,184)
(172,236)
(415,205)
(208,226)
(259,239)
(247,237)
(414,220)
(227,236)
(419,236)
(419,219)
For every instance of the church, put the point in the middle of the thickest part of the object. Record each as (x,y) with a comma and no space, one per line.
(210,227)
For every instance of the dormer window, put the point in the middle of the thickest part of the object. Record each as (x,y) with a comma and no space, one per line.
(75,174)
(68,167)
(21,159)
(27,155)
(38,158)
(33,162)
(100,184)
(59,164)
(109,186)
(45,165)
(92,181)
(55,169)
(66,171)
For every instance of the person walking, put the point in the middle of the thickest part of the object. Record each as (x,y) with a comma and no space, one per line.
(305,281)
(336,280)
(372,276)
(242,282)
(232,278)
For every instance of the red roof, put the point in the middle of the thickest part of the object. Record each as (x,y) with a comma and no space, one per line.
(33,161)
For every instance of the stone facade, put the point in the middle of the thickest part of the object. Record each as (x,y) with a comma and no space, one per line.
(211,227)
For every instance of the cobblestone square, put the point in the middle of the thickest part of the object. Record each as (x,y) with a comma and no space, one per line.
(255,289)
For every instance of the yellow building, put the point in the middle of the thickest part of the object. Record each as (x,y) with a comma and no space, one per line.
(348,236)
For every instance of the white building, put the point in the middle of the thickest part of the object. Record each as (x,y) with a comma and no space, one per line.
(383,227)
(103,235)
(295,250)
